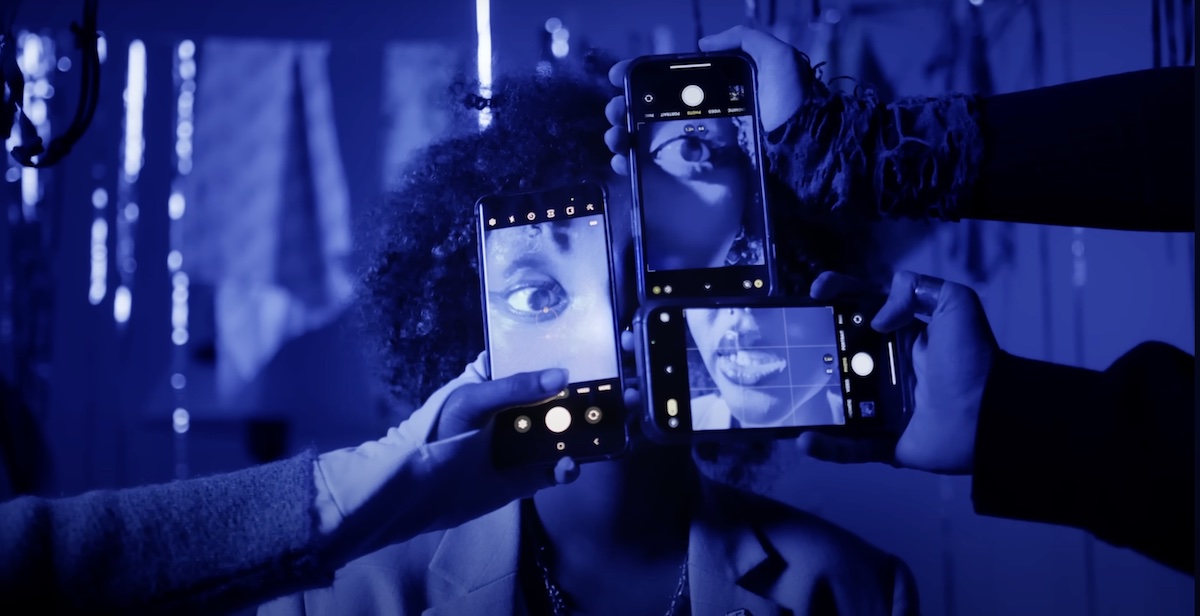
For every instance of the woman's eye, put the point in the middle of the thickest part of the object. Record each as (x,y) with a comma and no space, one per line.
(544,300)
(684,149)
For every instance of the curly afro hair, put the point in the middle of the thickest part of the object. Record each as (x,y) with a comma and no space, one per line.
(420,292)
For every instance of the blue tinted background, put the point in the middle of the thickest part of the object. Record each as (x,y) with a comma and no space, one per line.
(1080,297)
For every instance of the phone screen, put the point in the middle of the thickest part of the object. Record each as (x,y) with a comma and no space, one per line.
(548,302)
(763,368)
(738,367)
(701,212)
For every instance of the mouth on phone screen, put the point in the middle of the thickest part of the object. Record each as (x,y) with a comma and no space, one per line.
(749,367)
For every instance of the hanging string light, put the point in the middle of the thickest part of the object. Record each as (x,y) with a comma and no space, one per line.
(98,286)
(483,31)
(185,98)
(98,280)
(132,157)
(559,38)
(35,60)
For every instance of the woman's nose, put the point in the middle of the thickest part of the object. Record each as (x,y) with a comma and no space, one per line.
(744,321)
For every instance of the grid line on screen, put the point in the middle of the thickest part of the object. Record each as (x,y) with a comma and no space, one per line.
(788,355)
(785,348)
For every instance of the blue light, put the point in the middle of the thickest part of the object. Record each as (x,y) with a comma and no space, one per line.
(135,100)
(122,304)
(483,29)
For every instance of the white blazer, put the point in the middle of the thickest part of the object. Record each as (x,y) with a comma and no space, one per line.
(745,552)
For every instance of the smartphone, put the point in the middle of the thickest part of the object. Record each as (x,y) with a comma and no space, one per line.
(548,302)
(696,163)
(769,367)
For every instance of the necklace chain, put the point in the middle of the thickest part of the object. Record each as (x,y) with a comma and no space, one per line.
(558,602)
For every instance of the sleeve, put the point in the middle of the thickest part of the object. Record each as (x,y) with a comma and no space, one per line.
(205,545)
(1109,452)
(1114,152)
(377,493)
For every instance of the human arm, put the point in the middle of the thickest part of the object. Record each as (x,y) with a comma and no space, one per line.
(1112,152)
(218,543)
(1107,451)
(209,543)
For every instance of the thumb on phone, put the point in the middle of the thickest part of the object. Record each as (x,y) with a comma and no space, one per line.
(472,406)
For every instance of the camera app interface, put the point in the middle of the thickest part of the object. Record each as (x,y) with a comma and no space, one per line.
(548,290)
(698,169)
(763,367)
(548,303)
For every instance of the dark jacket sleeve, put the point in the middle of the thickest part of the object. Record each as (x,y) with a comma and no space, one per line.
(1109,452)
(1114,152)
(204,546)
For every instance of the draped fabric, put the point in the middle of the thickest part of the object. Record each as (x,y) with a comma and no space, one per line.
(268,212)
(416,100)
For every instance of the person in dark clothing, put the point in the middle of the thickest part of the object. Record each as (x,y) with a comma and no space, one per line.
(1110,452)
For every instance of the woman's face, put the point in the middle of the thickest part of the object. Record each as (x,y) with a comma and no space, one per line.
(694,188)
(766,362)
(548,295)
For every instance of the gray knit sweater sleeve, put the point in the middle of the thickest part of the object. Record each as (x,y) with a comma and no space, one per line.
(206,545)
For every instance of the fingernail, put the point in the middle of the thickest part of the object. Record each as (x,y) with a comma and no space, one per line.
(553,380)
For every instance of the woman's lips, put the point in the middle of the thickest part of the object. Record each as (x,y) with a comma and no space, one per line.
(748,368)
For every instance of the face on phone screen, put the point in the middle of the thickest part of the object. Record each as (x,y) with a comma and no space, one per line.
(771,366)
(700,192)
(548,303)
(549,300)
(699,178)
(763,368)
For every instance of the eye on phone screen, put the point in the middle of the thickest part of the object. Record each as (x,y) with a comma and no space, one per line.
(548,303)
(782,368)
(701,214)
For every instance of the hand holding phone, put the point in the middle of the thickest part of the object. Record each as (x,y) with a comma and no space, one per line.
(781,91)
(737,367)
(700,213)
(951,359)
(547,283)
